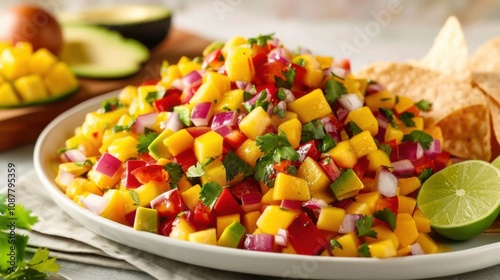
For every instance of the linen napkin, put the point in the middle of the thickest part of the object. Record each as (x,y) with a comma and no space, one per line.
(69,240)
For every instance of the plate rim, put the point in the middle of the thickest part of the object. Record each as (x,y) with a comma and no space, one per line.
(282,264)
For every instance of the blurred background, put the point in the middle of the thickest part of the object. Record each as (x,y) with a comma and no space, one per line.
(359,29)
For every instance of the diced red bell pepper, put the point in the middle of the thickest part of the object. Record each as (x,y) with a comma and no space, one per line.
(344,64)
(392,203)
(267,72)
(168,102)
(361,167)
(165,226)
(305,237)
(300,74)
(441,161)
(203,217)
(235,138)
(130,180)
(394,149)
(282,166)
(344,203)
(171,204)
(150,173)
(130,217)
(197,131)
(214,60)
(250,185)
(330,168)
(308,149)
(186,159)
(422,164)
(226,204)
(259,59)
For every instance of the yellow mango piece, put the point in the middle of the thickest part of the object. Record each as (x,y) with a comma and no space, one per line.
(268,198)
(382,249)
(404,251)
(325,62)
(157,148)
(408,185)
(149,191)
(291,188)
(429,246)
(207,92)
(314,175)
(216,172)
(406,204)
(325,195)
(128,94)
(406,229)
(393,133)
(250,220)
(239,65)
(8,96)
(403,103)
(124,148)
(41,61)
(418,125)
(208,145)
(14,63)
(60,79)
(357,207)
(114,209)
(343,154)
(383,233)
(187,66)
(183,184)
(350,244)
(276,120)
(182,229)
(293,131)
(179,142)
(363,143)
(222,222)
(31,88)
(356,85)
(310,106)
(330,218)
(206,236)
(222,82)
(249,152)
(103,181)
(191,196)
(369,198)
(255,123)
(314,74)
(233,42)
(273,218)
(435,132)
(381,99)
(170,74)
(423,224)
(231,100)
(364,118)
(129,204)
(378,158)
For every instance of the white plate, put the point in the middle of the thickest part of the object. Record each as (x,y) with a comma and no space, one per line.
(478,253)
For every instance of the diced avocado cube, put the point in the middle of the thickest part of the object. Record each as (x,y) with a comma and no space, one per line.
(146,219)
(347,185)
(157,148)
(232,235)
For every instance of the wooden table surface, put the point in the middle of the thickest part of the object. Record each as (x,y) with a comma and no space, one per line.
(23,125)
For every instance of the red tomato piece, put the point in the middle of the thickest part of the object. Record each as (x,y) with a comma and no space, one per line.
(308,149)
(330,168)
(186,159)
(165,226)
(361,167)
(167,103)
(267,72)
(250,185)
(149,173)
(259,59)
(305,237)
(235,138)
(226,204)
(197,131)
(422,164)
(170,205)
(441,161)
(203,217)
(130,181)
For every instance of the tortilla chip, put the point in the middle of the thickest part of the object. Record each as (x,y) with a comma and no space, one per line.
(495,126)
(495,227)
(449,54)
(486,58)
(458,109)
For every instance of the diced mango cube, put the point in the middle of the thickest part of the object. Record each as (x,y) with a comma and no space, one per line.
(208,145)
(8,96)
(216,172)
(293,131)
(149,191)
(370,198)
(249,152)
(124,148)
(406,204)
(383,233)
(381,99)
(250,220)
(31,88)
(206,236)
(273,218)
(290,188)
(357,207)
(222,82)
(382,249)
(314,174)
(191,196)
(408,185)
(182,229)
(376,159)
(363,143)
(60,79)
(350,244)
(393,133)
(223,222)
(363,118)
(114,209)
(343,154)
(276,120)
(207,92)
(310,106)
(231,100)
(428,245)
(255,123)
(179,142)
(239,65)
(406,229)
(41,61)
(421,221)
(403,103)
(330,218)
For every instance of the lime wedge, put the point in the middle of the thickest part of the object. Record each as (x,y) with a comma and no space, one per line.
(462,200)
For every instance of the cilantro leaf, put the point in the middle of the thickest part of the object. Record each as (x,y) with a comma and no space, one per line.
(3,204)
(327,143)
(354,128)
(285,152)
(37,268)
(406,118)
(235,165)
(312,130)
(335,243)
(264,169)
(209,193)
(281,95)
(110,105)
(333,90)
(389,115)
(261,40)
(144,141)
(134,196)
(24,219)
(419,136)
(387,149)
(151,96)
(247,95)
(426,173)
(364,225)
(424,105)
(175,172)
(195,170)
(292,170)
(364,250)
(267,142)
(386,215)
(289,78)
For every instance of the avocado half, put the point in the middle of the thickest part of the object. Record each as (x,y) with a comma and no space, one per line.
(148,24)
(96,52)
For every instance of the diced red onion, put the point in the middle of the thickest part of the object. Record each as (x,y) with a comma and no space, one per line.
(202,113)
(73,155)
(108,165)
(342,114)
(274,42)
(278,54)
(224,130)
(270,109)
(403,167)
(178,84)
(335,70)
(335,136)
(416,249)
(94,203)
(281,238)
(291,204)
(410,150)
(174,123)
(434,149)
(350,101)
(241,84)
(374,88)
(349,223)
(290,97)
(259,242)
(381,134)
(251,201)
(191,79)
(386,183)
(281,105)
(256,97)
(315,203)
(382,120)
(222,69)
(225,118)
(65,177)
(144,121)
